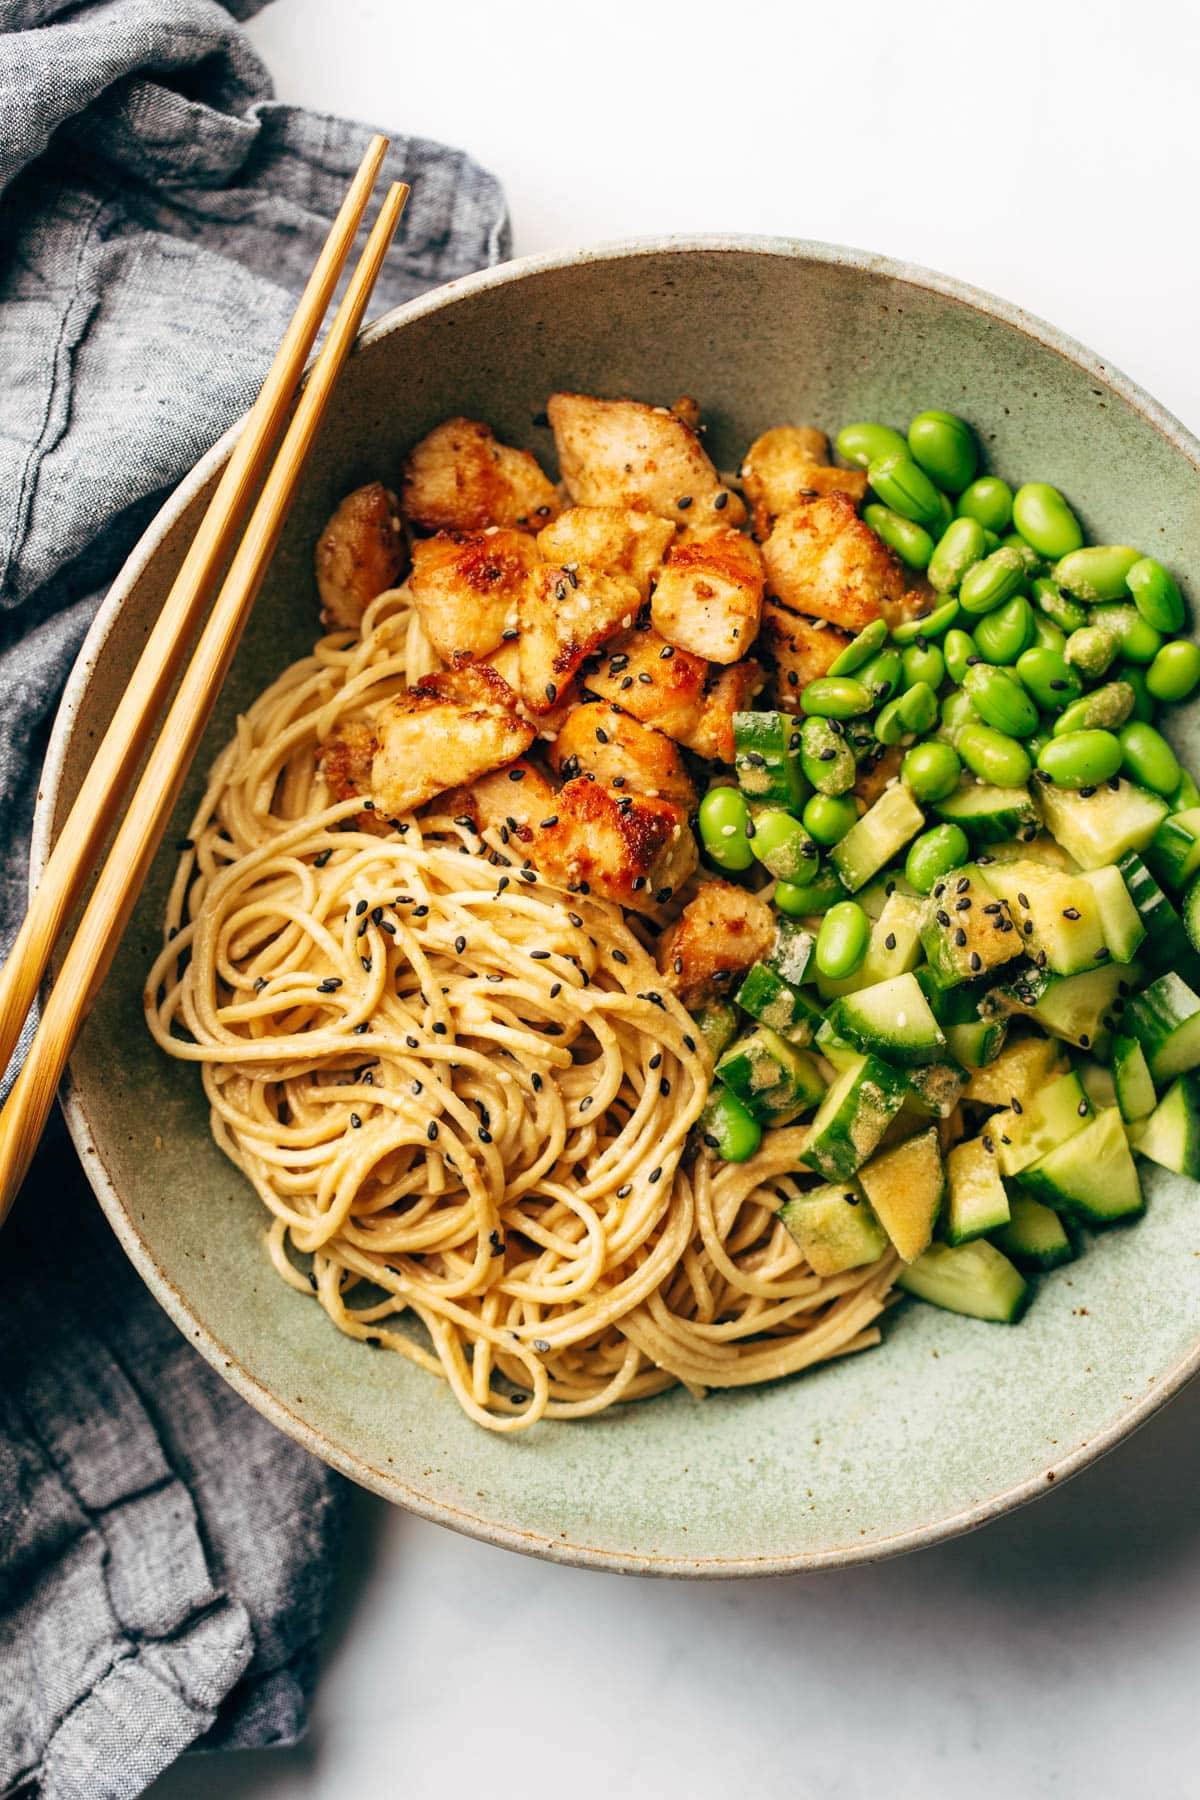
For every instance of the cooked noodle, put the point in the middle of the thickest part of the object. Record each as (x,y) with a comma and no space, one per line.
(463,1093)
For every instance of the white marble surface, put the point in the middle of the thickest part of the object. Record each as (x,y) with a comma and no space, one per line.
(1046,152)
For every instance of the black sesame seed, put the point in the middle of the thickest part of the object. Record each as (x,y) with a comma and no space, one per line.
(330,985)
(431,1130)
(960,936)
(666,653)
(516,774)
(1084,1041)
(646,678)
(1071,912)
(655,1175)
(439,1030)
(355,1122)
(485,1136)
(537,1082)
(975,960)
(1016,1105)
(360,909)
(322,858)
(684,501)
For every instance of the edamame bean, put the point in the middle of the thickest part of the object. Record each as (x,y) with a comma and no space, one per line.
(923,662)
(825,756)
(1148,758)
(881,676)
(904,486)
(917,707)
(1175,671)
(911,542)
(1104,709)
(929,625)
(842,940)
(1092,650)
(835,697)
(1081,759)
(934,854)
(865,443)
(1186,795)
(828,817)
(889,725)
(1044,519)
(1036,743)
(931,771)
(990,583)
(991,541)
(994,757)
(1001,635)
(861,649)
(724,816)
(958,648)
(988,500)
(957,711)
(1049,678)
(1097,573)
(1143,700)
(944,445)
(1138,641)
(801,902)
(1001,701)
(1031,562)
(1047,635)
(781,844)
(1049,598)
(1156,594)
(730,1131)
(960,546)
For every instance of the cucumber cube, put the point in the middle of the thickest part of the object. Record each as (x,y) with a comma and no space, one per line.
(978,1201)
(974,1279)
(835,1228)
(879,836)
(1035,1237)
(906,1186)
(1171,1135)
(1165,1019)
(1092,1176)
(853,1116)
(1100,827)
(891,1018)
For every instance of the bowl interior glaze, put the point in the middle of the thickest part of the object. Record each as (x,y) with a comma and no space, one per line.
(951,1421)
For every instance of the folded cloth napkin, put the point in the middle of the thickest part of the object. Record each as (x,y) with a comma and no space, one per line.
(165,1556)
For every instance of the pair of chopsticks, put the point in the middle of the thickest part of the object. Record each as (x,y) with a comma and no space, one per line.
(82,836)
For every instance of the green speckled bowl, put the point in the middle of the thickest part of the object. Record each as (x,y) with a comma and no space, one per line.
(951,1422)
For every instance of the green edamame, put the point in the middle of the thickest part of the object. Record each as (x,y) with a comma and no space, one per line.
(1143,700)
(917,707)
(934,854)
(1186,795)
(825,757)
(944,445)
(861,649)
(958,549)
(882,675)
(1049,598)
(1097,573)
(1031,562)
(990,583)
(1104,709)
(842,940)
(1156,594)
(866,442)
(923,662)
(1175,671)
(728,1128)
(781,844)
(1148,758)
(958,648)
(817,897)
(1001,635)
(929,625)
(1046,634)
(931,771)
(911,542)
(1044,519)
(835,697)
(988,501)
(828,817)
(1036,744)
(889,724)
(724,817)
(1092,649)
(991,541)
(1001,701)
(1081,759)
(994,757)
(957,711)
(1138,640)
(903,485)
(1049,677)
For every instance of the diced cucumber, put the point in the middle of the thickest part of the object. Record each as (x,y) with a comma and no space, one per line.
(853,1117)
(1019,1072)
(773,1001)
(1132,1080)
(974,1279)
(1191,913)
(1173,853)
(1035,1237)
(836,1050)
(1076,1008)
(960,936)
(1040,849)
(835,1228)
(880,835)
(906,1186)
(1098,1085)
(1166,944)
(953,1005)
(977,1200)
(1171,1135)
(936,1088)
(1120,919)
(792,951)
(895,947)
(977,1042)
(717,1023)
(1165,1019)
(1048,1118)
(891,1018)
(989,815)
(1102,826)
(875,896)
(1092,1176)
(771,1077)
(1056,915)
(767,758)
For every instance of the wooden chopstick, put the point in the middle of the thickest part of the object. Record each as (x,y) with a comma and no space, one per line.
(112,768)
(140,831)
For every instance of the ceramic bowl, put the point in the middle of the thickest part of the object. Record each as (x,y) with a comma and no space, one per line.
(949,1423)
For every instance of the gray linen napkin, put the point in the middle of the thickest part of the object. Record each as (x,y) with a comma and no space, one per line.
(165,1556)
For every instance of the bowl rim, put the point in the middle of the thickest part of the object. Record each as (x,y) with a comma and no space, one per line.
(180,1310)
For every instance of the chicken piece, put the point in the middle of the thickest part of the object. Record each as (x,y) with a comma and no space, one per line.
(715,939)
(511,801)
(801,650)
(912,604)
(709,597)
(467,587)
(461,478)
(623,452)
(608,746)
(345,761)
(623,847)
(875,772)
(646,676)
(731,692)
(791,463)
(360,553)
(564,615)
(612,538)
(822,559)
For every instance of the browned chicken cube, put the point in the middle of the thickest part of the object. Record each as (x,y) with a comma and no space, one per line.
(644,675)
(791,463)
(345,760)
(612,538)
(461,478)
(625,453)
(511,801)
(715,939)
(822,559)
(360,554)
(623,847)
(611,747)
(709,597)
(564,615)
(466,588)
(801,650)
(732,691)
